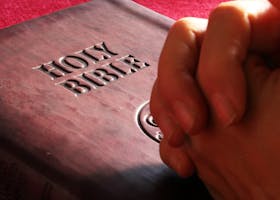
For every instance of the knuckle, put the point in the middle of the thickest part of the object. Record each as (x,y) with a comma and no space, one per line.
(227,10)
(181,24)
(187,24)
(182,27)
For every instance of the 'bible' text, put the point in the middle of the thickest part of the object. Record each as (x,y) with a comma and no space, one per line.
(94,72)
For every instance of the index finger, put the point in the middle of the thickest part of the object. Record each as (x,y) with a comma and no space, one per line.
(177,66)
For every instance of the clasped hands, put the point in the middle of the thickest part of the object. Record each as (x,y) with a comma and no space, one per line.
(217,99)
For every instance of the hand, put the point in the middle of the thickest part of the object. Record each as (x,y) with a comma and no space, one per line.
(176,87)
(242,161)
(200,74)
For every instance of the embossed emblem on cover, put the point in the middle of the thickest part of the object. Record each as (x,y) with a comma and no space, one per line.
(147,123)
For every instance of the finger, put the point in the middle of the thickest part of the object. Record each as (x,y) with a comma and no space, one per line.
(170,129)
(177,66)
(172,147)
(177,159)
(233,28)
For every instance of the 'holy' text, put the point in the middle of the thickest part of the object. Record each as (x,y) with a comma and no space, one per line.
(90,68)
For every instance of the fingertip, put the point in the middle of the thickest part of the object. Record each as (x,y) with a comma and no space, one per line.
(185,115)
(184,105)
(161,114)
(226,96)
(185,169)
(177,159)
(171,130)
(225,111)
(177,138)
(191,115)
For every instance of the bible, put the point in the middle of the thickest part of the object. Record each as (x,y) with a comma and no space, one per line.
(74,107)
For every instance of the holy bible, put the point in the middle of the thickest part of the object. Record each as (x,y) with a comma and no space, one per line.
(74,110)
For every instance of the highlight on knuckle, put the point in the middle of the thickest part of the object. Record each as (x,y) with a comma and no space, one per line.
(226,11)
(181,25)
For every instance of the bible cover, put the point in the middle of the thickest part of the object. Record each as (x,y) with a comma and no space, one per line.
(74,112)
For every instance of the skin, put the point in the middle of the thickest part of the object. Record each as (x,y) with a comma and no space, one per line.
(242,161)
(216,99)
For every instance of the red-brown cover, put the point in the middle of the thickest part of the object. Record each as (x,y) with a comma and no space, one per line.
(72,89)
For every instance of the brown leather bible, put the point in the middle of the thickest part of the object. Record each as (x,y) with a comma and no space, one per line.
(74,111)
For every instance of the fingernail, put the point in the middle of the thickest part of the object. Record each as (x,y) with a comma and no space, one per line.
(166,126)
(171,131)
(224,109)
(184,115)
